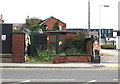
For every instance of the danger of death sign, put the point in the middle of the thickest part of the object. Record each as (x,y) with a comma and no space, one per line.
(3,37)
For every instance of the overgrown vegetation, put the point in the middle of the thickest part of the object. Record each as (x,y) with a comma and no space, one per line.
(43,55)
(17,31)
(106,46)
(56,26)
(76,44)
(34,25)
(73,51)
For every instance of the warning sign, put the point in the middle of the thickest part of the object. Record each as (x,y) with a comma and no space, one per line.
(96,45)
(3,37)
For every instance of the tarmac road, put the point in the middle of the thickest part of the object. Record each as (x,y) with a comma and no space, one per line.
(27,75)
(56,75)
(110,59)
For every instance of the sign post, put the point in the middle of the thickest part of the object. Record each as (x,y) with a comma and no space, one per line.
(96,48)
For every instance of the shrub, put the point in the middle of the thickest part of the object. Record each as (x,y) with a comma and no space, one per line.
(44,55)
(73,51)
(107,46)
(76,44)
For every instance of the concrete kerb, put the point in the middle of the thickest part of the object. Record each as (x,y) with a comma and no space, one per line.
(62,65)
(15,65)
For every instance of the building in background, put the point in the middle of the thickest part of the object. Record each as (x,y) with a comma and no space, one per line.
(33,19)
(49,22)
(117,39)
(17,26)
(1,19)
(105,33)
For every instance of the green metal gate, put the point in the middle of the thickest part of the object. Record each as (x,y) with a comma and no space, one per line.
(44,41)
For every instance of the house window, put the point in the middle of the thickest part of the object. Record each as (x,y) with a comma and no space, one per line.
(46,27)
(60,27)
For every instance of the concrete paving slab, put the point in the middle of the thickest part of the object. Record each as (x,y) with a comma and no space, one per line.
(70,65)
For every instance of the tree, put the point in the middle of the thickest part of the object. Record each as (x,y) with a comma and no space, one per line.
(33,25)
(56,26)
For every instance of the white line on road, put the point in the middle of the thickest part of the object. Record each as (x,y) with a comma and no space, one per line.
(26,81)
(92,81)
(115,79)
(57,79)
(32,80)
(89,82)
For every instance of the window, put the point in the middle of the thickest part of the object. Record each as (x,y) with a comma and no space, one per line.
(104,35)
(102,31)
(60,27)
(105,30)
(109,31)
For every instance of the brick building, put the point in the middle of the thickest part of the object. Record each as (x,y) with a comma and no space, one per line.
(17,26)
(49,22)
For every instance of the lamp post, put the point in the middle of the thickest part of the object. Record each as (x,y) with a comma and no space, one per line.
(88,17)
(100,23)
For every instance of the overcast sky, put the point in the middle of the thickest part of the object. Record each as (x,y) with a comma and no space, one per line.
(73,12)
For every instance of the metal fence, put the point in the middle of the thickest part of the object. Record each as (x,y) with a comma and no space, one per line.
(43,41)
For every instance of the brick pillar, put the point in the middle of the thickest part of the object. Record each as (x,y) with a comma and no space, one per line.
(18,47)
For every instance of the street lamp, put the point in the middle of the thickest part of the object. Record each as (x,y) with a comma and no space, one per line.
(89,17)
(100,23)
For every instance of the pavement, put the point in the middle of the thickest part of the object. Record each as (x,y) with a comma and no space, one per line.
(62,65)
(113,58)
(107,62)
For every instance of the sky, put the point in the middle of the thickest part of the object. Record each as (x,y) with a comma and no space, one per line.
(72,12)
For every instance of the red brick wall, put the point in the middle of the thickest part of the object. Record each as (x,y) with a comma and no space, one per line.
(51,22)
(89,46)
(59,59)
(18,47)
(78,58)
(63,59)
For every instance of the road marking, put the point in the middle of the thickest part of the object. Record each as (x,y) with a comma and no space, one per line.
(92,81)
(26,81)
(89,82)
(115,79)
(32,80)
(57,79)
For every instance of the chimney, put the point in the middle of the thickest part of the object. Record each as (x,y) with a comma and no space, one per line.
(1,17)
(27,17)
